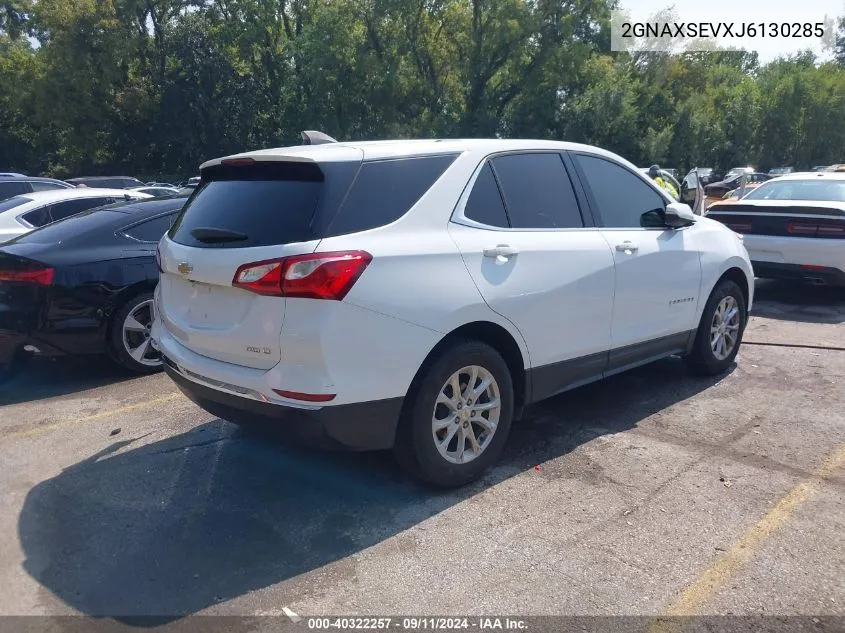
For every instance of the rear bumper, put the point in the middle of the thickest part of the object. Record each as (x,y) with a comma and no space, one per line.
(359,426)
(820,275)
(765,250)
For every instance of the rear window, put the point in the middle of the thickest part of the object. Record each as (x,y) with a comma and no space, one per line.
(71,227)
(152,230)
(267,204)
(816,190)
(61,210)
(11,203)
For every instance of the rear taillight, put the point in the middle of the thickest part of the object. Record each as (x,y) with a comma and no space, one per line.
(312,276)
(39,276)
(739,227)
(831,231)
(158,259)
(813,229)
(802,228)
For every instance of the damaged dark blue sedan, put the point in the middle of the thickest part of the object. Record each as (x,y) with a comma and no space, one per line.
(84,285)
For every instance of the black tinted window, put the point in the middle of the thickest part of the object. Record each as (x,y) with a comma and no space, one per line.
(485,201)
(38,217)
(151,230)
(267,203)
(623,199)
(537,191)
(62,210)
(11,188)
(385,190)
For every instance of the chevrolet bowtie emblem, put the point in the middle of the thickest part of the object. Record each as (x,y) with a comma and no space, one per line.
(185,268)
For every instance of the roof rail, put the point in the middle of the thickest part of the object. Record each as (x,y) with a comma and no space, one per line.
(313,137)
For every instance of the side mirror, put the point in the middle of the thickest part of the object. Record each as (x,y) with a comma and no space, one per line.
(678,215)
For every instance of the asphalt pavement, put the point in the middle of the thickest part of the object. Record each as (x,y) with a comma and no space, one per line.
(653,493)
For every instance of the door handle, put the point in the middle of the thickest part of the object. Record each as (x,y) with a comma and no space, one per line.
(629,248)
(501,252)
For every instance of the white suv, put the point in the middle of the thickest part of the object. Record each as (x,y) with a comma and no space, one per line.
(417,295)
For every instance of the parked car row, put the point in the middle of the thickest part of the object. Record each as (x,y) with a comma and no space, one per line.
(13,184)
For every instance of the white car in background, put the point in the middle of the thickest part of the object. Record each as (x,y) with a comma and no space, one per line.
(24,213)
(158,191)
(418,295)
(793,227)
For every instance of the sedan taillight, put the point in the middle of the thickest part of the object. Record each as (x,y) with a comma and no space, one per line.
(312,276)
(814,229)
(739,227)
(38,276)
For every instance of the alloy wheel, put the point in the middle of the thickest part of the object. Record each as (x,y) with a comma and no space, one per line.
(136,334)
(724,328)
(466,414)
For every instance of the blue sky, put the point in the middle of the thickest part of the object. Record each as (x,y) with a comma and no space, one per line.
(746,11)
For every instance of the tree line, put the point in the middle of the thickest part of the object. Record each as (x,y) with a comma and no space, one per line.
(155,87)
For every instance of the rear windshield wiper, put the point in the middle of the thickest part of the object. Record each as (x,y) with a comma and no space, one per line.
(211,235)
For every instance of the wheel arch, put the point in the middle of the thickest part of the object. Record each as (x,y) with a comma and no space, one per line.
(120,299)
(741,279)
(497,337)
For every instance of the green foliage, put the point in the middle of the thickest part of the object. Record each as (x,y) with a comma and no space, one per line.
(158,86)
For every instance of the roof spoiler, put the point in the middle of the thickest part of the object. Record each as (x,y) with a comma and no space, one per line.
(313,137)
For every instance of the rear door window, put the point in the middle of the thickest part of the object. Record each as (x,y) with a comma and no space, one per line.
(385,190)
(537,190)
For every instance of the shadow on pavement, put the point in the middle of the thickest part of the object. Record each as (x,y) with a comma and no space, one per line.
(175,526)
(794,301)
(47,378)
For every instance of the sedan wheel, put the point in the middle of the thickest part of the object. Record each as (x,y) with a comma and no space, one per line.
(136,334)
(129,337)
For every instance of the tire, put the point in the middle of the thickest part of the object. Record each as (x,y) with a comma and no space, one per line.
(121,340)
(705,358)
(415,446)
